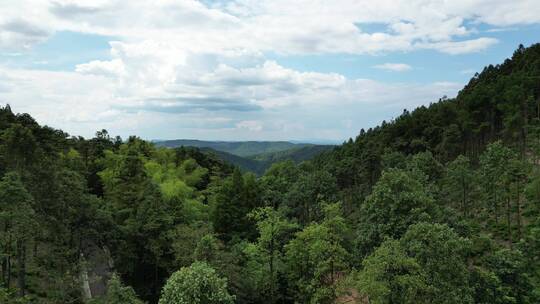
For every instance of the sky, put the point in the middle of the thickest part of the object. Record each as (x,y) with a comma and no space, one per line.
(247,69)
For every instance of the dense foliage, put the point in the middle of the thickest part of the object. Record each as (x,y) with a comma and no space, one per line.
(259,163)
(196,284)
(440,205)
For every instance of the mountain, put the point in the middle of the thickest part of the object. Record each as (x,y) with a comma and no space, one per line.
(260,162)
(500,103)
(246,164)
(296,154)
(253,156)
(240,148)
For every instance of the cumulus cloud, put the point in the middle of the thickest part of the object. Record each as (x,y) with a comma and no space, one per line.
(106,68)
(396,67)
(195,103)
(296,27)
(73,10)
(251,125)
(89,102)
(462,47)
(21,34)
(181,64)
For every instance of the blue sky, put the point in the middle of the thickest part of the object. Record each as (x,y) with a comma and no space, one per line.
(244,70)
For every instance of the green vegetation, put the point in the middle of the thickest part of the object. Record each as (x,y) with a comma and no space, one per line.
(252,156)
(118,294)
(256,157)
(296,154)
(440,205)
(196,284)
(239,148)
(244,163)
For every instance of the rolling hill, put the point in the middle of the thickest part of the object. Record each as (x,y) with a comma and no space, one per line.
(240,148)
(253,156)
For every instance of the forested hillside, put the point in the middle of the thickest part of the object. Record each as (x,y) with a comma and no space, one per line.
(239,148)
(252,156)
(440,205)
(296,154)
(259,163)
(245,164)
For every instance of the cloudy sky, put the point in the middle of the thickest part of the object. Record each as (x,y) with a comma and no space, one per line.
(246,69)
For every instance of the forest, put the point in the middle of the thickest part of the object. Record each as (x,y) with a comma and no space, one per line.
(439,205)
(252,156)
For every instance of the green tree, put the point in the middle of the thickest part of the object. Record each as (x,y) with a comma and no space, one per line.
(443,257)
(389,275)
(397,201)
(530,248)
(510,267)
(18,222)
(425,166)
(207,249)
(427,265)
(306,196)
(276,182)
(460,185)
(518,172)
(145,206)
(316,258)
(196,284)
(494,163)
(184,238)
(266,254)
(235,199)
(117,293)
(19,147)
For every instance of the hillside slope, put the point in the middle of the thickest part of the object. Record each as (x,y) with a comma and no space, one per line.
(259,163)
(251,156)
(244,163)
(502,102)
(240,148)
(296,154)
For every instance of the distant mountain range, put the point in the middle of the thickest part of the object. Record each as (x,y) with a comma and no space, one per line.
(254,156)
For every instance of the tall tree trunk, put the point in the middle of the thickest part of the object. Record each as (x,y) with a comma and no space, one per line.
(21,267)
(4,260)
(495,205)
(464,198)
(492,125)
(332,279)
(525,116)
(4,270)
(272,285)
(538,108)
(8,280)
(155,287)
(518,205)
(508,220)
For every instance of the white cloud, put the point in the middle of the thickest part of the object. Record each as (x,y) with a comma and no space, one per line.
(396,67)
(21,34)
(462,47)
(251,125)
(186,65)
(300,105)
(296,27)
(106,68)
